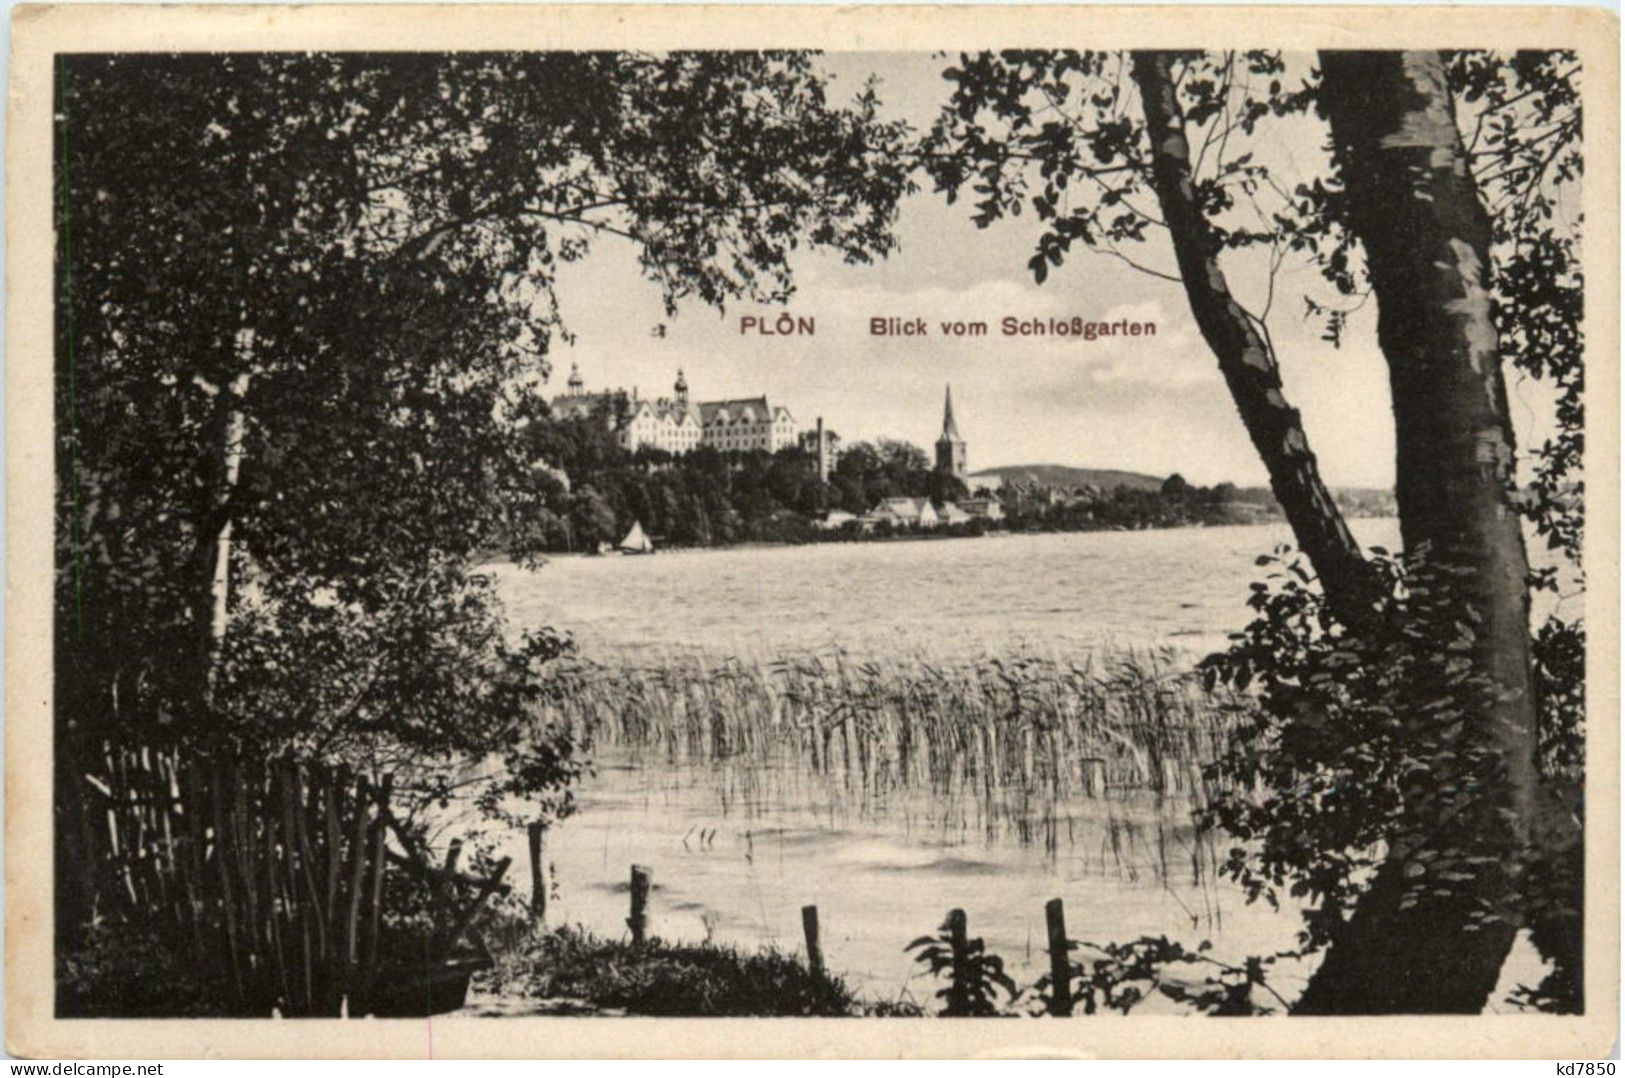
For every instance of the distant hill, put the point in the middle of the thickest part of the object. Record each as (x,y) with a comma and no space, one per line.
(1065,477)
(1354,501)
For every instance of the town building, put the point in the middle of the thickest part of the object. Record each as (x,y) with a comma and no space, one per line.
(905,512)
(920,513)
(989,509)
(677,424)
(835,519)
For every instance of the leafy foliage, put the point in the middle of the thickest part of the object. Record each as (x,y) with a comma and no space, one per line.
(1559,649)
(352,258)
(1359,744)
(676,979)
(976,978)
(1061,132)
(1357,747)
(118,971)
(1528,161)
(1125,974)
(706,496)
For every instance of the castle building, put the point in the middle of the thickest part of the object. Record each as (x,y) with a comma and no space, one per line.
(950,446)
(676,424)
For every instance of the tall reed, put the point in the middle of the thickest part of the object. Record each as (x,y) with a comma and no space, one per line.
(1010,743)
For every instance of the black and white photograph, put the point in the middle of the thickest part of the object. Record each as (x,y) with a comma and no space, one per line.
(1038,531)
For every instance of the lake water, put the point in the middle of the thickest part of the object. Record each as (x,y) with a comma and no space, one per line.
(1064,591)
(740,875)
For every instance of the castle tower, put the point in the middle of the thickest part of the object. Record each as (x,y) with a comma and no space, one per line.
(682,388)
(950,446)
(576,385)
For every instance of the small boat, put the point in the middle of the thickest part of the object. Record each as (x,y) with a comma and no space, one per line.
(636,542)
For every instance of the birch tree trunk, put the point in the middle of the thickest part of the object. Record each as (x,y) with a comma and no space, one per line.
(1248,362)
(217,552)
(1413,204)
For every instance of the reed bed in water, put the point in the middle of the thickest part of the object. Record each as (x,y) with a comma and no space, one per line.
(1005,738)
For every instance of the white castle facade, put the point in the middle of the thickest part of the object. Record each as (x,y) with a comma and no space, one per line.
(677,424)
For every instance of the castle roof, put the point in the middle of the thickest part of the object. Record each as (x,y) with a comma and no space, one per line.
(583,404)
(741,410)
(580,404)
(665,408)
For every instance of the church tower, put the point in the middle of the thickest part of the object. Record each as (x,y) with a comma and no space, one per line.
(577,386)
(681,388)
(950,446)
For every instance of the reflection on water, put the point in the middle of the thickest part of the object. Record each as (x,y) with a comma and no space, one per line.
(881,879)
(998,746)
(744,802)
(730,795)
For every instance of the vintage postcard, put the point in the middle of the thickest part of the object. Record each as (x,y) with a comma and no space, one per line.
(531,526)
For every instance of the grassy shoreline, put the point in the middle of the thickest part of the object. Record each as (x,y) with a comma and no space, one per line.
(569,970)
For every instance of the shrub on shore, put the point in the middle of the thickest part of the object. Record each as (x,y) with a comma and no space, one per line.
(688,980)
(123,971)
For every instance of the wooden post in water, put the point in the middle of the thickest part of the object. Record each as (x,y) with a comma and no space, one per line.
(1093,773)
(958,1003)
(639,921)
(1173,778)
(815,951)
(1060,966)
(1195,780)
(538,875)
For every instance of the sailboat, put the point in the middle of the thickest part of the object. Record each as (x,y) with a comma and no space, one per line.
(636,542)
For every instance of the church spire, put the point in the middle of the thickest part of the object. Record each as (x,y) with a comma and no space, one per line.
(950,446)
(950,432)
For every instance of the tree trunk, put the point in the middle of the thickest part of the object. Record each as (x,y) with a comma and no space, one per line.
(1248,362)
(1422,940)
(216,604)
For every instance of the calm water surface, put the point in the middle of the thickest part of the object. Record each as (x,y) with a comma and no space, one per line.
(740,873)
(967,596)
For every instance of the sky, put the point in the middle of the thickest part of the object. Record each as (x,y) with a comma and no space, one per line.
(1149,404)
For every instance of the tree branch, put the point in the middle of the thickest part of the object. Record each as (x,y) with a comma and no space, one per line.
(1248,363)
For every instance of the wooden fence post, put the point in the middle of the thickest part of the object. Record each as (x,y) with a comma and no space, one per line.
(461,919)
(1060,965)
(815,951)
(359,833)
(538,875)
(1255,978)
(639,921)
(454,852)
(380,858)
(958,1002)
